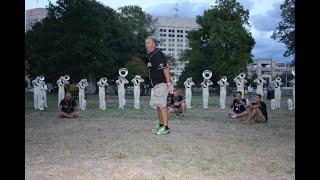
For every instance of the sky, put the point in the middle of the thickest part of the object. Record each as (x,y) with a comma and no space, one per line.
(265,16)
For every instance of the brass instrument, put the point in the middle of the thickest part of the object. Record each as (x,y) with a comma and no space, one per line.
(123,72)
(207,74)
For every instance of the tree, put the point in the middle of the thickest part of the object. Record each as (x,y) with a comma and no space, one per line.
(137,67)
(81,38)
(285,31)
(139,26)
(251,79)
(222,44)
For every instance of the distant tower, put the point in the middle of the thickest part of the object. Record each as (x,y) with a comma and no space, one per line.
(176,9)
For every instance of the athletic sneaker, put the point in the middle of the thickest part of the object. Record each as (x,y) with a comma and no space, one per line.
(156,129)
(163,130)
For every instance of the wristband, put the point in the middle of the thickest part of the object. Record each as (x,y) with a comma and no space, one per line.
(169,83)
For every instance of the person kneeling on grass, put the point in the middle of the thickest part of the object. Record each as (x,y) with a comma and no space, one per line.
(177,103)
(257,111)
(238,106)
(68,107)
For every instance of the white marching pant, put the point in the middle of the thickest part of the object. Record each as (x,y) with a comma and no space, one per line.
(290,104)
(223,95)
(84,104)
(121,95)
(260,91)
(137,97)
(60,95)
(36,92)
(40,100)
(277,96)
(45,98)
(81,98)
(188,97)
(102,105)
(205,97)
(273,103)
(102,101)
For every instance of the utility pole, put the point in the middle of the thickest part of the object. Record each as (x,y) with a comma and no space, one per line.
(286,78)
(271,70)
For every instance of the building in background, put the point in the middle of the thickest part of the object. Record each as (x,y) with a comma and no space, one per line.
(172,34)
(33,16)
(268,69)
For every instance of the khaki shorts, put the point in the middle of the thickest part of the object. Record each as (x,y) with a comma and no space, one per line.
(159,95)
(176,109)
(259,117)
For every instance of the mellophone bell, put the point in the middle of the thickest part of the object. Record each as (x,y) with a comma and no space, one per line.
(123,72)
(240,82)
(207,74)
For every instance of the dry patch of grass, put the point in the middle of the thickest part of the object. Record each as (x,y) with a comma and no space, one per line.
(118,144)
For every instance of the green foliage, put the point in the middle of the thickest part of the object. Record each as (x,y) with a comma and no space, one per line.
(136,67)
(85,39)
(287,76)
(222,44)
(251,79)
(285,31)
(139,26)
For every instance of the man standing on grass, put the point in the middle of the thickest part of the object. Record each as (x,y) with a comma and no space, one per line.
(159,76)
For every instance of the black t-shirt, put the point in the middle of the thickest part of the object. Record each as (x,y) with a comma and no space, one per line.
(238,107)
(157,62)
(68,107)
(263,108)
(173,99)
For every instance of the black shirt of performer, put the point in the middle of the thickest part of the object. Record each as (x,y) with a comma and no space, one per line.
(237,106)
(263,108)
(68,107)
(175,99)
(157,62)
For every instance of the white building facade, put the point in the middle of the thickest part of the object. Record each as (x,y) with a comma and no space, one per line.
(172,33)
(269,69)
(33,16)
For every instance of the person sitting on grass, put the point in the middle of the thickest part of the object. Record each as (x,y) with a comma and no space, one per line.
(257,111)
(177,103)
(238,106)
(68,107)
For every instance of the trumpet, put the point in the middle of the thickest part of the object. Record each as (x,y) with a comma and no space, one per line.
(138,77)
(189,79)
(41,78)
(207,74)
(104,79)
(123,72)
(66,77)
(83,81)
(224,78)
(241,75)
(278,79)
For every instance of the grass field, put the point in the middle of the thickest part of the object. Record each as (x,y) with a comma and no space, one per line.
(119,144)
